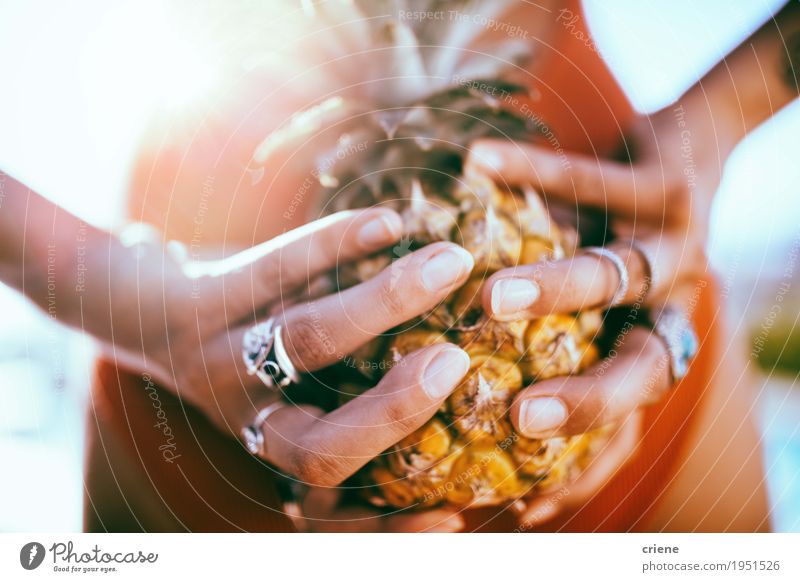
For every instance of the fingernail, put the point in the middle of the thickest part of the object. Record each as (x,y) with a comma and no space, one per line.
(444,372)
(512,295)
(443,269)
(487,157)
(539,415)
(379,232)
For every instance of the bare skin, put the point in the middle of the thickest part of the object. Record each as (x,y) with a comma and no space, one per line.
(720,486)
(650,201)
(156,311)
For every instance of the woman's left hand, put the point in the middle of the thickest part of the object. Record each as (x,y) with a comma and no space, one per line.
(650,202)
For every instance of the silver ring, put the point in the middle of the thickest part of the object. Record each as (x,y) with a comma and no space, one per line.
(677,333)
(283,361)
(256,345)
(265,356)
(253,434)
(650,265)
(619,264)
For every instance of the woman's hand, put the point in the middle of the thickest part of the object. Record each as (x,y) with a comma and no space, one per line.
(637,371)
(309,446)
(651,202)
(208,307)
(182,321)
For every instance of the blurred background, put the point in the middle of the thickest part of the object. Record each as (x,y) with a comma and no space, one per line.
(79,80)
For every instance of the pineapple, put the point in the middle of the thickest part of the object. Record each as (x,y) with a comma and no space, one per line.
(417,116)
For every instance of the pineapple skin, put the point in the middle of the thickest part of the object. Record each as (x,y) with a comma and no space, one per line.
(468,454)
(417,95)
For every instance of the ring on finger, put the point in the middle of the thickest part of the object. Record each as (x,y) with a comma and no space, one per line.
(622,270)
(265,356)
(650,265)
(253,434)
(680,338)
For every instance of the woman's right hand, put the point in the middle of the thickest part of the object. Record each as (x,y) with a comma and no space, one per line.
(200,358)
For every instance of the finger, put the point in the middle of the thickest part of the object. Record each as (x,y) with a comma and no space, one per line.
(610,459)
(324,451)
(653,264)
(351,520)
(265,272)
(433,521)
(365,520)
(541,510)
(635,374)
(322,332)
(617,187)
(323,513)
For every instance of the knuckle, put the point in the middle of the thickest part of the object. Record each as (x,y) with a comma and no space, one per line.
(328,245)
(585,176)
(185,354)
(271,270)
(313,466)
(585,400)
(193,377)
(614,398)
(392,299)
(305,341)
(399,417)
(302,463)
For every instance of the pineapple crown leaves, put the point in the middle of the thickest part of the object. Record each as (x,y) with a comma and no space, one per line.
(418,91)
(386,58)
(424,143)
(450,119)
(411,56)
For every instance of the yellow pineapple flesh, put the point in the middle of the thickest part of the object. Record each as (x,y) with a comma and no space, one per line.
(468,454)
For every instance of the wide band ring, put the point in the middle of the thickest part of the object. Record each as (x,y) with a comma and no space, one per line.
(622,270)
(678,334)
(253,434)
(265,356)
(650,265)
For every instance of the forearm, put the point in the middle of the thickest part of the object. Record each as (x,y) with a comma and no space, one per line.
(55,259)
(695,136)
(750,85)
(753,82)
(759,78)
